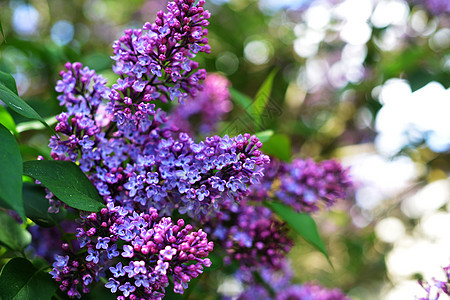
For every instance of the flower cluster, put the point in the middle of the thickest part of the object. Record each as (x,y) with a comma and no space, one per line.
(82,92)
(156,62)
(203,113)
(256,239)
(304,184)
(435,287)
(149,166)
(277,285)
(71,272)
(139,251)
(144,168)
(156,168)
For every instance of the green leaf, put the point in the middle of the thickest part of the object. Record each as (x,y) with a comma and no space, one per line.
(303,224)
(18,105)
(36,206)
(265,135)
(279,146)
(67,182)
(12,234)
(7,120)
(243,100)
(262,96)
(11,174)
(21,280)
(9,82)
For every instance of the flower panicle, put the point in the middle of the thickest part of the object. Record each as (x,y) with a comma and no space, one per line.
(304,184)
(136,252)
(155,62)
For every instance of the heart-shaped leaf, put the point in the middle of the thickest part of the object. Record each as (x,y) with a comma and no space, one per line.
(67,182)
(21,280)
(11,174)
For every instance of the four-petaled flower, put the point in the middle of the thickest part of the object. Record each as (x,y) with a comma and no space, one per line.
(102,243)
(112,284)
(112,251)
(118,270)
(93,255)
(127,289)
(167,253)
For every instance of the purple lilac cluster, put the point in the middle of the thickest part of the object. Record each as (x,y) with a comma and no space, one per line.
(156,62)
(435,288)
(256,239)
(167,173)
(304,184)
(143,167)
(150,166)
(72,272)
(150,249)
(277,285)
(201,115)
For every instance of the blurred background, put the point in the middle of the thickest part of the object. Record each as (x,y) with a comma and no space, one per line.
(364,81)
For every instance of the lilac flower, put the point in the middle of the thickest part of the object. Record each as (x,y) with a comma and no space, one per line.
(127,251)
(117,270)
(304,184)
(112,284)
(61,261)
(87,279)
(140,163)
(139,267)
(93,256)
(141,280)
(161,267)
(102,242)
(71,272)
(127,288)
(167,253)
(112,251)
